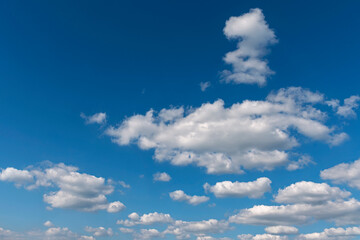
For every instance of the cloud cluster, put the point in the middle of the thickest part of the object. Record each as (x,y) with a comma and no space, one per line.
(184,229)
(254,36)
(180,229)
(253,189)
(100,231)
(347,109)
(180,196)
(146,219)
(309,201)
(79,191)
(248,135)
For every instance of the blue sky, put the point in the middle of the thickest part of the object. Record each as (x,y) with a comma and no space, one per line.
(115,115)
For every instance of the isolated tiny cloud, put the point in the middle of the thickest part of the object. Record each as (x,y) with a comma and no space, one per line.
(75,190)
(48,224)
(248,135)
(162,177)
(181,196)
(204,86)
(99,118)
(254,36)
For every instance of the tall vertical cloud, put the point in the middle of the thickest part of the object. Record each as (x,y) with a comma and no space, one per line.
(254,36)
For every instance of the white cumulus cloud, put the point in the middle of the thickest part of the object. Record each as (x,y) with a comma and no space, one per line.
(248,135)
(75,190)
(332,234)
(348,173)
(100,231)
(161,176)
(181,196)
(146,219)
(253,189)
(310,192)
(282,230)
(254,37)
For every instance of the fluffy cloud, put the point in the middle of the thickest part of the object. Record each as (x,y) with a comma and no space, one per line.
(247,135)
(254,36)
(342,212)
(99,118)
(282,230)
(348,173)
(253,189)
(310,192)
(162,177)
(148,234)
(332,234)
(180,196)
(146,219)
(261,237)
(79,191)
(48,224)
(184,229)
(100,231)
(347,109)
(19,177)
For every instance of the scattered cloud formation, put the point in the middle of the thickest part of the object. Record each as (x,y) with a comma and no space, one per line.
(99,118)
(100,231)
(161,177)
(124,184)
(347,109)
(255,189)
(302,162)
(348,173)
(254,37)
(148,234)
(310,192)
(204,86)
(146,219)
(180,196)
(184,229)
(78,191)
(248,135)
